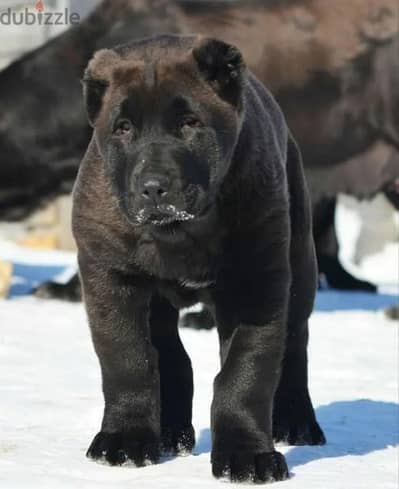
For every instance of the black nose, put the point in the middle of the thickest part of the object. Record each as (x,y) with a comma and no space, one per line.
(155,189)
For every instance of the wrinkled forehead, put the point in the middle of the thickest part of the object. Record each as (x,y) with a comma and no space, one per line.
(162,82)
(153,76)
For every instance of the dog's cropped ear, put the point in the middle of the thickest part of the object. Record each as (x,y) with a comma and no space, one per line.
(96,80)
(222,65)
(93,91)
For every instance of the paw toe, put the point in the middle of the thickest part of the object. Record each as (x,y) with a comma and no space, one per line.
(250,467)
(178,440)
(118,448)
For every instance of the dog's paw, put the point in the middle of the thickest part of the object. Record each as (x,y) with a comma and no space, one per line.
(250,467)
(177,440)
(294,422)
(141,448)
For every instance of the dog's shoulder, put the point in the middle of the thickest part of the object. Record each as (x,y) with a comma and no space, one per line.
(259,163)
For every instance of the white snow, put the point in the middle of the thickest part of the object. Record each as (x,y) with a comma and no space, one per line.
(368,232)
(12,252)
(51,402)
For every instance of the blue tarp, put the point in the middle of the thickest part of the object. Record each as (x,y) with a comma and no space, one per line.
(340,300)
(26,277)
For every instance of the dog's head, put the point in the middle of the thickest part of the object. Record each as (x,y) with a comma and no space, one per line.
(167,114)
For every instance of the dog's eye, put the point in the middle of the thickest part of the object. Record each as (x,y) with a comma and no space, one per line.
(190,123)
(123,127)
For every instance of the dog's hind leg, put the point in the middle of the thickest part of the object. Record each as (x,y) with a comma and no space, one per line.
(294,420)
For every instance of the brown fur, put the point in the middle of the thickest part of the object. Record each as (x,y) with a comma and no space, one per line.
(286,45)
(364,175)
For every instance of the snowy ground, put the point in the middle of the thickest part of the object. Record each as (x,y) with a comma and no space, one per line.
(51,404)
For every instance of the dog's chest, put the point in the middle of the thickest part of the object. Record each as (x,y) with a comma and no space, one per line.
(184,276)
(186,294)
(192,264)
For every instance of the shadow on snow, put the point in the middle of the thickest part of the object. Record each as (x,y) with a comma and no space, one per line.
(354,427)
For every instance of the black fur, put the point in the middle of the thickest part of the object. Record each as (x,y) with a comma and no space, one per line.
(231,227)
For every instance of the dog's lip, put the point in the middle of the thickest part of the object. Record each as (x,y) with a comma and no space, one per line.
(163,216)
(163,221)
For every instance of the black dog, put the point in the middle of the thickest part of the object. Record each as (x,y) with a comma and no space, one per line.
(192,189)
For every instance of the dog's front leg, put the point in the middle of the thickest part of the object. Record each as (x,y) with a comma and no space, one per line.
(251,319)
(117,306)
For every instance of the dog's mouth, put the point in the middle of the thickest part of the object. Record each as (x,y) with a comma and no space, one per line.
(163,217)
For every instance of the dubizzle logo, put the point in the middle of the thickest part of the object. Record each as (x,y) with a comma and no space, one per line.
(40,6)
(39,17)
